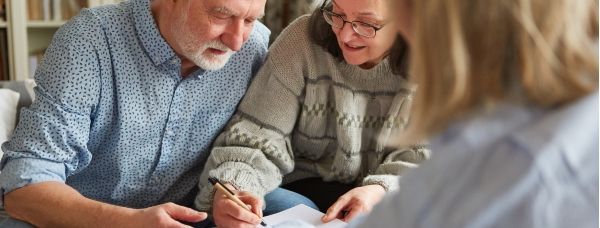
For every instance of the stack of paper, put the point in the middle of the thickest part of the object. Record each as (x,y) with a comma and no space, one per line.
(302,213)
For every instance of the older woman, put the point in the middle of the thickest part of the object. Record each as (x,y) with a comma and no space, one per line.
(317,119)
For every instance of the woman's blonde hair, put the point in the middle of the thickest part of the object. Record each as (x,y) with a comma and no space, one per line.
(468,53)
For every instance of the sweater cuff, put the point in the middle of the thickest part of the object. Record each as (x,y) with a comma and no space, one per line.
(388,182)
(241,175)
(238,174)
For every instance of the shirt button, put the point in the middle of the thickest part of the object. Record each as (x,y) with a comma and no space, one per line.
(174,61)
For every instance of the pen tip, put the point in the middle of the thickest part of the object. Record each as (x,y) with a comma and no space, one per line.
(263,223)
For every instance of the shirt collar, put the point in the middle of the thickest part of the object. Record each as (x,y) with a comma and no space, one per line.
(147,31)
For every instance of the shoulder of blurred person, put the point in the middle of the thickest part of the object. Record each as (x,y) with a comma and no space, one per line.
(512,161)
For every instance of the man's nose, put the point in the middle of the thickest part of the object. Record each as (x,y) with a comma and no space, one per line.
(233,37)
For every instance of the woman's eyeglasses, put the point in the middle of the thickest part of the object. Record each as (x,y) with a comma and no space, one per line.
(337,21)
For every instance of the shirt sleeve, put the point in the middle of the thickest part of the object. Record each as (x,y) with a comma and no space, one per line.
(50,141)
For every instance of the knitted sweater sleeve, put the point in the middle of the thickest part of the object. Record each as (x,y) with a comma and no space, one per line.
(395,164)
(254,152)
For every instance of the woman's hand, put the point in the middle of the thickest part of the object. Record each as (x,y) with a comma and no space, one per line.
(227,213)
(354,202)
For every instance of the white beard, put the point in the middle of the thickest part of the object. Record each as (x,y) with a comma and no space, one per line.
(197,52)
(207,60)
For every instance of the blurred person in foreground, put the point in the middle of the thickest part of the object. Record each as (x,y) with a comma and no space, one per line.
(508,93)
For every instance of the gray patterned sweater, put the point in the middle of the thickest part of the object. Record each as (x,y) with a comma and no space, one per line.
(308,114)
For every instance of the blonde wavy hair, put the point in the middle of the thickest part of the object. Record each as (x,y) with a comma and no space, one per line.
(470,53)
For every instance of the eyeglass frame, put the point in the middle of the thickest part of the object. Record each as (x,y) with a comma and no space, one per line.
(352,23)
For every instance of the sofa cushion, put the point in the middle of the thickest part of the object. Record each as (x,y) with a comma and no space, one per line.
(24,88)
(8,113)
(13,96)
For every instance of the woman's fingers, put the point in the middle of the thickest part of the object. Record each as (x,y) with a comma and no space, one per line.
(334,211)
(254,202)
(352,213)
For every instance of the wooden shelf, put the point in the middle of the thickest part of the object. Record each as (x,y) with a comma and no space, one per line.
(44,24)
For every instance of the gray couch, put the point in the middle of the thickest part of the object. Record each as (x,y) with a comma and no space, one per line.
(24,88)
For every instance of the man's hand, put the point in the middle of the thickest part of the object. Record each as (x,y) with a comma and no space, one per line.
(228,214)
(354,202)
(55,204)
(166,215)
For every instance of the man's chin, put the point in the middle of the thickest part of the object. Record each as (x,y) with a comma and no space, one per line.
(212,65)
(212,62)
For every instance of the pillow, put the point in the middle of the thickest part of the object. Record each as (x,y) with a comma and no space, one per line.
(8,114)
(29,84)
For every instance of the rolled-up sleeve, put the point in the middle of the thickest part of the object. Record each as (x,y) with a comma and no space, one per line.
(50,141)
(37,170)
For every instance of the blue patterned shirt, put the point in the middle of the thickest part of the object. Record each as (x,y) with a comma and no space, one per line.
(114,119)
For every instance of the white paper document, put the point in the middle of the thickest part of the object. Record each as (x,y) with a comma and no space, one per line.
(302,213)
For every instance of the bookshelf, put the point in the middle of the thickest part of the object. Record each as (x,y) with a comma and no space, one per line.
(28,29)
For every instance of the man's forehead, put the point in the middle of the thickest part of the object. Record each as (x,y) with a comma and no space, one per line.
(243,8)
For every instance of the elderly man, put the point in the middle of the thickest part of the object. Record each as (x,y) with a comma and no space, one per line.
(129,98)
